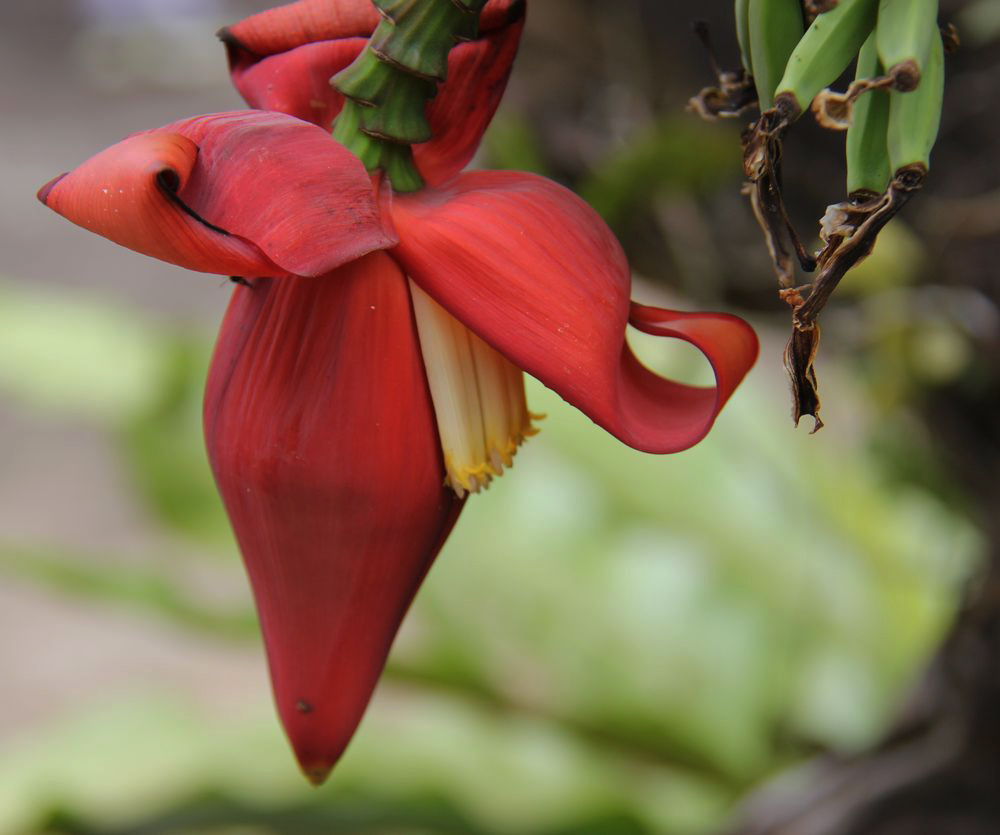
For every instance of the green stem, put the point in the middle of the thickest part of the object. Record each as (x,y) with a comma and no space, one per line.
(389,83)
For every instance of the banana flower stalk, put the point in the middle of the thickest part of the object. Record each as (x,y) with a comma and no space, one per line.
(369,372)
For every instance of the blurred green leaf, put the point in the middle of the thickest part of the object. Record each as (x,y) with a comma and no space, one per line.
(145,590)
(677,154)
(68,353)
(422,762)
(511,143)
(897,259)
(686,604)
(166,452)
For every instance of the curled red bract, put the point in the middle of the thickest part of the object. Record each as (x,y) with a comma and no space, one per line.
(244,193)
(534,271)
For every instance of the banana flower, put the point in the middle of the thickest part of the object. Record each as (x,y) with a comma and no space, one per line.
(369,372)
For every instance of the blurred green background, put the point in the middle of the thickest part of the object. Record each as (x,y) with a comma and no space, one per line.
(610,642)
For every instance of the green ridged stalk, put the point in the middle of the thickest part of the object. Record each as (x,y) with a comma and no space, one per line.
(388,85)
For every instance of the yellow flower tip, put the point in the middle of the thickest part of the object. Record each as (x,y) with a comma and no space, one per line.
(498,460)
(478,397)
(464,480)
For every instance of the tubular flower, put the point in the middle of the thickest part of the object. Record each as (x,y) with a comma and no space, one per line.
(368,374)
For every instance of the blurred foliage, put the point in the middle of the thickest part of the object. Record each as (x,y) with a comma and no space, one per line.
(511,143)
(173,472)
(610,642)
(979,21)
(83,359)
(675,154)
(78,357)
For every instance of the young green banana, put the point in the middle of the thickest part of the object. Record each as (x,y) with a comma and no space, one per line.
(774,27)
(741,9)
(914,117)
(905,31)
(867,150)
(823,53)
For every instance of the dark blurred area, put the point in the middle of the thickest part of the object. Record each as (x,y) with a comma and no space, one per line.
(773,633)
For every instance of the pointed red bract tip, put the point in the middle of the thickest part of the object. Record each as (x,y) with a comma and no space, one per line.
(322,438)
(243,193)
(43,192)
(129,193)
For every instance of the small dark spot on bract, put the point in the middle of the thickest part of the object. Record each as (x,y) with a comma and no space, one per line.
(302,706)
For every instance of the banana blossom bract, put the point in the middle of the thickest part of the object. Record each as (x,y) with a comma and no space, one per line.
(368,373)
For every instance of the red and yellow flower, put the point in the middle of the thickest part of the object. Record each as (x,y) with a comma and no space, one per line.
(369,370)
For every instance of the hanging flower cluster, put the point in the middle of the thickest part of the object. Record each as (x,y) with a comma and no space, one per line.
(368,374)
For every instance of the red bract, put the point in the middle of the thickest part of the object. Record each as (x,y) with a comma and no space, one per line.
(322,438)
(367,375)
(201,193)
(533,270)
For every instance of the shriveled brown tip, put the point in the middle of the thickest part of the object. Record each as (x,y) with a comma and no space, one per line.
(787,107)
(800,354)
(734,95)
(709,102)
(950,38)
(43,192)
(910,177)
(833,110)
(862,196)
(905,76)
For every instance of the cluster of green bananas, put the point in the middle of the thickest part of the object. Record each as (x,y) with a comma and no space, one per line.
(891,112)
(900,75)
